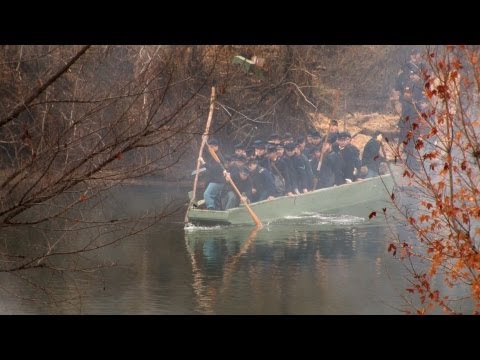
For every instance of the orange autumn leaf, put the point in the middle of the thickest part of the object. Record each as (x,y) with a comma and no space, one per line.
(457,64)
(444,170)
(443,92)
(423,218)
(430,156)
(419,144)
(393,248)
(372,214)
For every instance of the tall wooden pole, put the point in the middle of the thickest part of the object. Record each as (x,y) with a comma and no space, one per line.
(204,140)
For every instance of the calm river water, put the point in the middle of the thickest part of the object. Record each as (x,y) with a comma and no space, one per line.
(308,265)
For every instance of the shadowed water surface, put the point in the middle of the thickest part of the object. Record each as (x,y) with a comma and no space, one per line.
(312,264)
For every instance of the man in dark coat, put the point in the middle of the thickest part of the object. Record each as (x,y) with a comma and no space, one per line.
(314,143)
(263,185)
(410,89)
(304,164)
(371,157)
(260,152)
(329,172)
(240,150)
(349,155)
(242,180)
(283,168)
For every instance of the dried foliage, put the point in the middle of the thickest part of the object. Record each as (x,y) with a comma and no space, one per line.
(440,194)
(74,122)
(292,86)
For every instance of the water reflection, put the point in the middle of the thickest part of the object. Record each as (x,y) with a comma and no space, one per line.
(318,268)
(311,264)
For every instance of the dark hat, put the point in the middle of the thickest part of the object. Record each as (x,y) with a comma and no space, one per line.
(271,148)
(259,144)
(244,170)
(274,136)
(332,137)
(239,146)
(212,142)
(344,135)
(300,140)
(290,146)
(251,161)
(239,158)
(315,134)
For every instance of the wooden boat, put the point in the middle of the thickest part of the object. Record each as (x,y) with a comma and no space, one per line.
(359,198)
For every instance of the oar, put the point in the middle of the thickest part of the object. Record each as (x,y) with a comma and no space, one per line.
(250,211)
(204,140)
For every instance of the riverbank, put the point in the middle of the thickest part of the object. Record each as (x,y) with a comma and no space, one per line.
(362,126)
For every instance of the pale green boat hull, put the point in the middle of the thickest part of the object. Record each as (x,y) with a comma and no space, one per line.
(359,198)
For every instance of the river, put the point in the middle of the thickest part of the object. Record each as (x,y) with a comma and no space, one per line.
(312,264)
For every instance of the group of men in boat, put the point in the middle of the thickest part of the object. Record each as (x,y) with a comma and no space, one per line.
(284,165)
